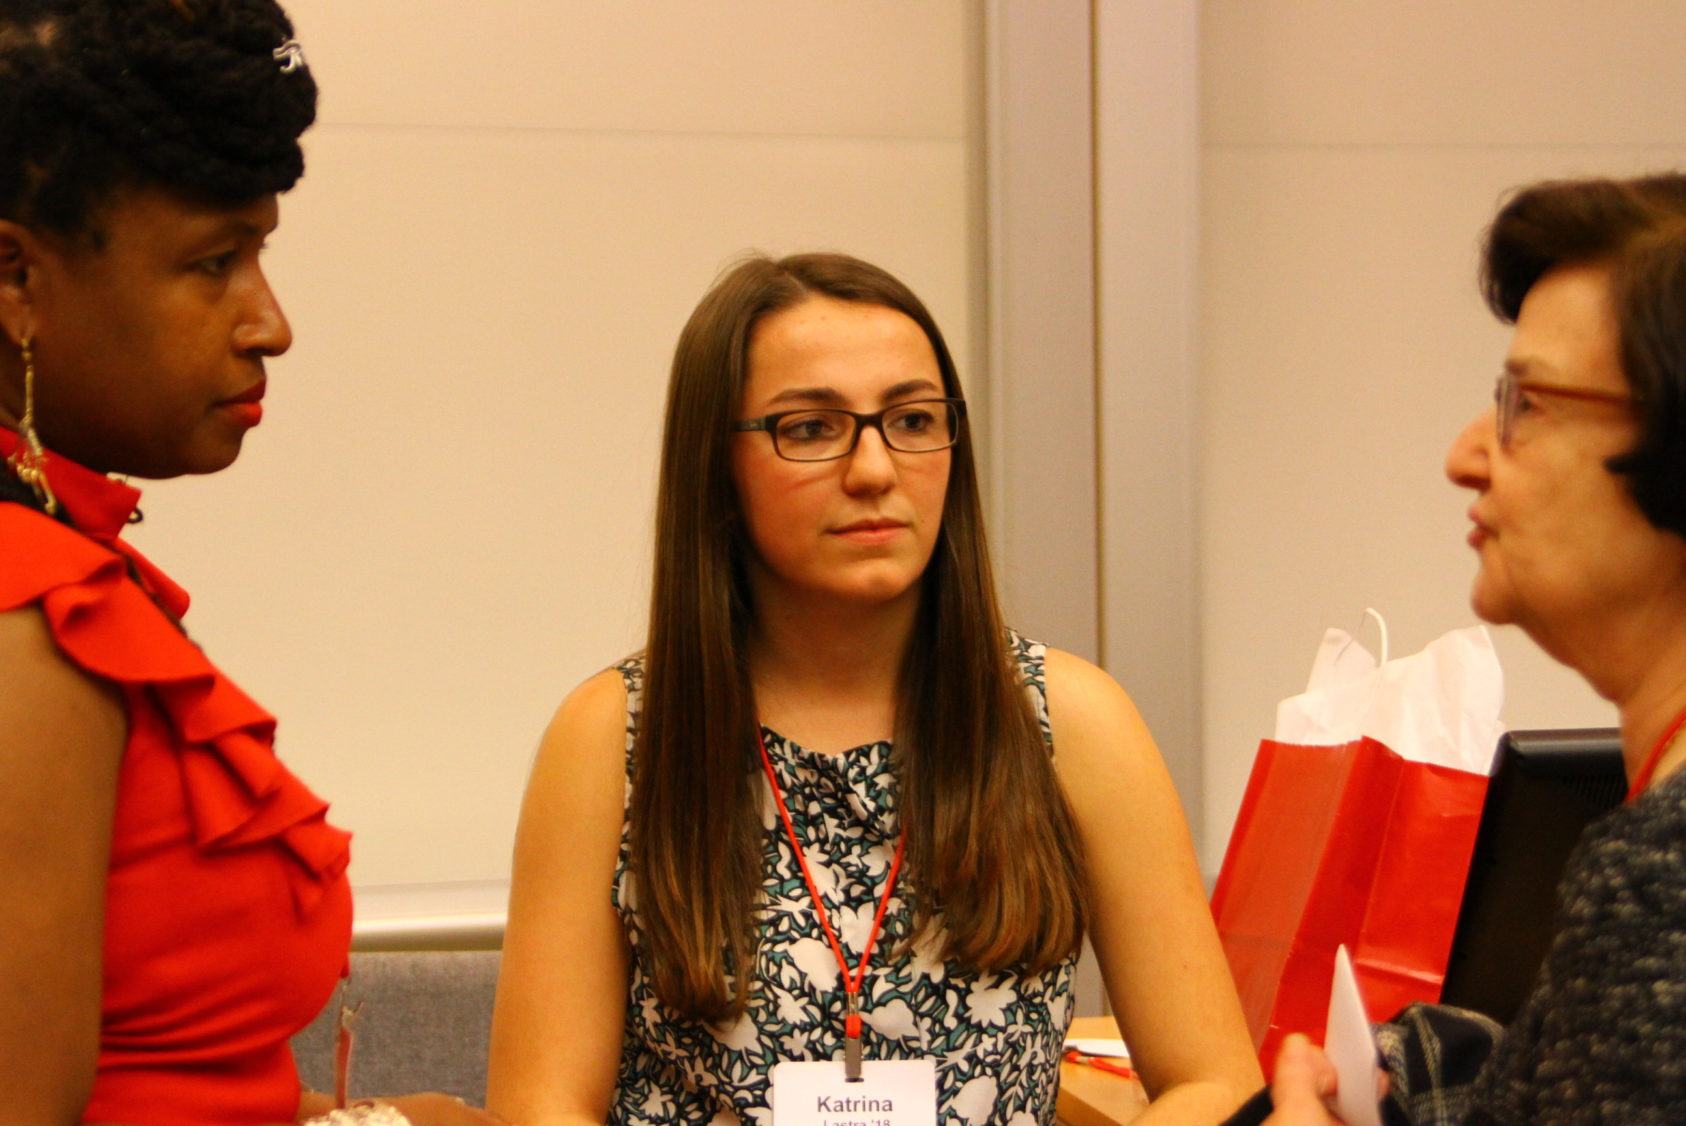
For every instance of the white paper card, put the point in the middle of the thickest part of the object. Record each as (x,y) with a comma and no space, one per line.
(889,1093)
(1091,1046)
(1350,1047)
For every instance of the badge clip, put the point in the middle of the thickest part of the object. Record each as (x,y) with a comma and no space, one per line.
(852,1038)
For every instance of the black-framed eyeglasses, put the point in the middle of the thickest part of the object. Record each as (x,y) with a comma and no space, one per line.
(1508,391)
(921,426)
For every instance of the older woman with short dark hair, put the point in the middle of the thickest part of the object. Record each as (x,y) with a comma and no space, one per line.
(1579,482)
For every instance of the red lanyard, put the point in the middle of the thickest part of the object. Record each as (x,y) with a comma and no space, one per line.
(851,985)
(1649,766)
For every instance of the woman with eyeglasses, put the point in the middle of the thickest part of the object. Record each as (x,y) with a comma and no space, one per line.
(1579,529)
(173,903)
(836,821)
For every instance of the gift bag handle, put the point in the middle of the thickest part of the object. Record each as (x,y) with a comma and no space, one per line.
(1371,614)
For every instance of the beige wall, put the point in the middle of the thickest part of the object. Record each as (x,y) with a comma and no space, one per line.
(1351,154)
(442,524)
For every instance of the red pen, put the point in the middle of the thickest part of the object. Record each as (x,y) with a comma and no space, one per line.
(1102,1063)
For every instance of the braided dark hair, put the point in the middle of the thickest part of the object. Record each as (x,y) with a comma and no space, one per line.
(185,95)
(14,491)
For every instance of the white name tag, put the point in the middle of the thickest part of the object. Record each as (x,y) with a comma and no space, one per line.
(889,1093)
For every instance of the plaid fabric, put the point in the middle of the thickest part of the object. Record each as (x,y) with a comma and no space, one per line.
(1432,1054)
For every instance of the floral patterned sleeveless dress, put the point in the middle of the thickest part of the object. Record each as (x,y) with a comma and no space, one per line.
(996,1038)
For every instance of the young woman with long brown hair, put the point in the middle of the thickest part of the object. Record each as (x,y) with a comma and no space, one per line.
(822,814)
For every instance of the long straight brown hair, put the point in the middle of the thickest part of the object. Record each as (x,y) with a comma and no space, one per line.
(992,852)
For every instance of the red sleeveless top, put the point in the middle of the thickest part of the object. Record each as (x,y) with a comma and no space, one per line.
(227,912)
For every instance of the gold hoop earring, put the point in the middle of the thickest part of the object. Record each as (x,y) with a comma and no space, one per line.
(29,460)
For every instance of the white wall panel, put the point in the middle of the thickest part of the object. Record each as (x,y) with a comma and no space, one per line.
(1442,72)
(863,68)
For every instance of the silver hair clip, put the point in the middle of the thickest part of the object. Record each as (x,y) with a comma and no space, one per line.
(290,55)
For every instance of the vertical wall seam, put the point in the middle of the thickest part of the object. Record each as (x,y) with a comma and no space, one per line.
(994,140)
(1097,387)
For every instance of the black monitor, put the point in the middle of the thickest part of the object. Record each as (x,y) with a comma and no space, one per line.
(1547,786)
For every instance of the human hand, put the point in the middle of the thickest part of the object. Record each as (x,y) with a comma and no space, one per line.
(1304,1083)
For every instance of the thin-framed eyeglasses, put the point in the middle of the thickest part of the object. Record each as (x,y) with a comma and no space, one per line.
(1510,387)
(921,426)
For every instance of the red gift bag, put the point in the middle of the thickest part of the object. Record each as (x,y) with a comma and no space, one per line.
(1352,844)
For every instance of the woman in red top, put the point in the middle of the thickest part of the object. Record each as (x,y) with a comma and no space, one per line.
(173,903)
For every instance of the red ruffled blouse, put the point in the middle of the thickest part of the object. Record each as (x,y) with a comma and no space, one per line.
(227,912)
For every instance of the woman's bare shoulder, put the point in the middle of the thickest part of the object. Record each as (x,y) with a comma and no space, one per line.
(1091,713)
(42,690)
(595,701)
(1075,675)
(581,761)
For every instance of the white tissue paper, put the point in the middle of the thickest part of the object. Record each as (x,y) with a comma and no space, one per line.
(1439,706)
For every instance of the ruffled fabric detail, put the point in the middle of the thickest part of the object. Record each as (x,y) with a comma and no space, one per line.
(100,508)
(238,792)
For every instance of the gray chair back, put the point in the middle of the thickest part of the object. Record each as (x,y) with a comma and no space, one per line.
(425,1024)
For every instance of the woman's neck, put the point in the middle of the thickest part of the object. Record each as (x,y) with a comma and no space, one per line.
(826,675)
(1640,666)
(1647,714)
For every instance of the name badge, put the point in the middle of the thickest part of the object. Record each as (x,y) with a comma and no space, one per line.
(888,1093)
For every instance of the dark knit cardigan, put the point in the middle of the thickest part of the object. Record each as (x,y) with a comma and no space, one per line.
(1602,1038)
